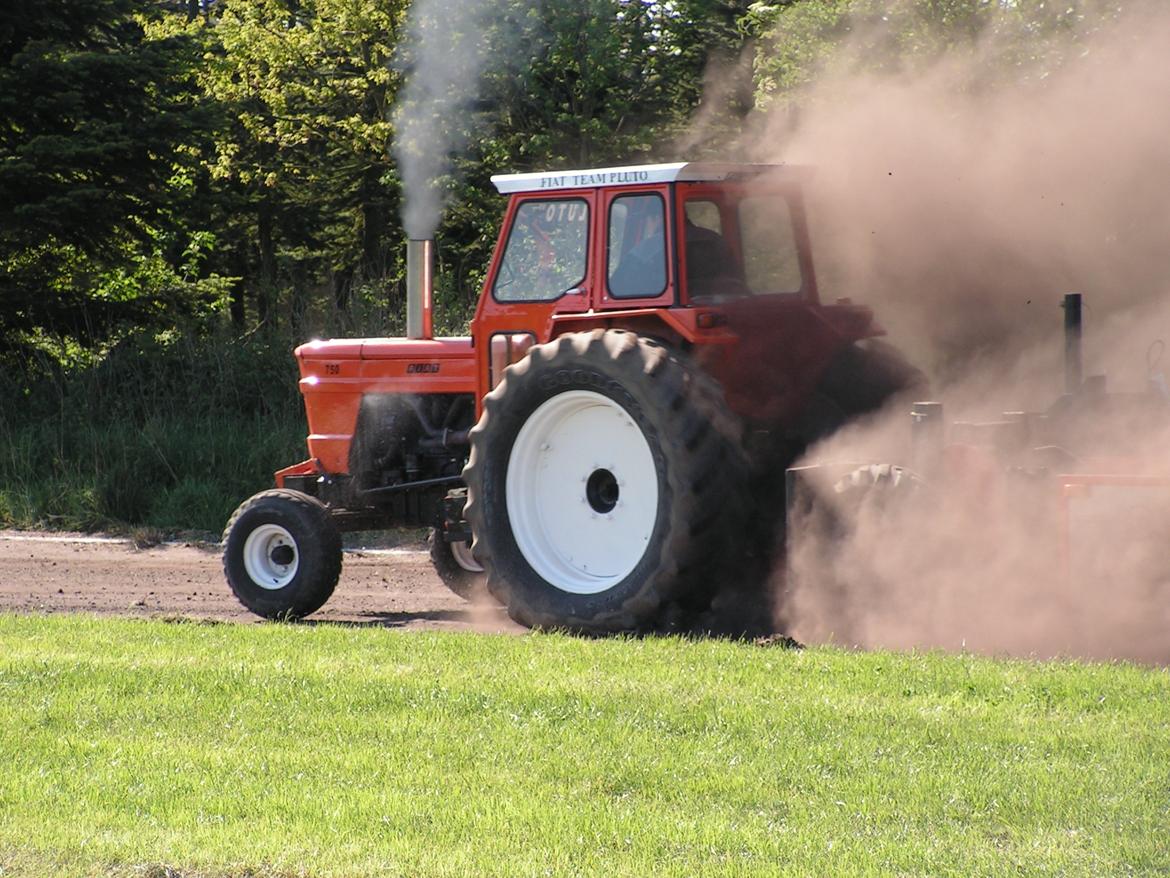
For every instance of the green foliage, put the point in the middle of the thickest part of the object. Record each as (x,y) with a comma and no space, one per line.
(169,430)
(307,90)
(156,166)
(601,81)
(94,117)
(175,474)
(134,748)
(798,41)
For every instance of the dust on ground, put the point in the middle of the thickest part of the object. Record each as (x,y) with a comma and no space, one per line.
(74,573)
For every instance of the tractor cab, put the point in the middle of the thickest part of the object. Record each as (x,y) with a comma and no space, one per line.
(655,235)
(714,256)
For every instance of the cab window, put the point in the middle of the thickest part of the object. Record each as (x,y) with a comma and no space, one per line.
(770,260)
(711,267)
(546,251)
(704,214)
(637,247)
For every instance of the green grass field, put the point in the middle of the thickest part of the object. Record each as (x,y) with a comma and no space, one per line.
(130,748)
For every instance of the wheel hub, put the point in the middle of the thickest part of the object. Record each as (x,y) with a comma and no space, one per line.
(582,492)
(601,490)
(461,552)
(270,556)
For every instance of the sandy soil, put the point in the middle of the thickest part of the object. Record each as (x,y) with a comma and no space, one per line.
(71,573)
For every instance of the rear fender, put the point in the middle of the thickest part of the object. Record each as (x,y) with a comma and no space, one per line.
(675,326)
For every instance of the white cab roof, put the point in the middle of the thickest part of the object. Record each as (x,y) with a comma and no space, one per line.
(634,174)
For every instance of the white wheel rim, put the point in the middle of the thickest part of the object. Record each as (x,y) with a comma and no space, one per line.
(461,552)
(259,548)
(582,492)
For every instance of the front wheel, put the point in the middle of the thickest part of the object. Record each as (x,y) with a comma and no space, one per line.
(282,554)
(457,567)
(605,482)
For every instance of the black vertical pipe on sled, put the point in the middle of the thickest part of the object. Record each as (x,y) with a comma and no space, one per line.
(1072,342)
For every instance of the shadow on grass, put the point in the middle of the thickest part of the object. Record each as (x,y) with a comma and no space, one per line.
(488,618)
(475,618)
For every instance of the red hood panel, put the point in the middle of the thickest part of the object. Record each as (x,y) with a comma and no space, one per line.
(387,349)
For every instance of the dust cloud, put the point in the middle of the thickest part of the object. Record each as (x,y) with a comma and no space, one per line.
(962,205)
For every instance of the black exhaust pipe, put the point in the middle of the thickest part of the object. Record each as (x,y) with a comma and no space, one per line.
(1073,376)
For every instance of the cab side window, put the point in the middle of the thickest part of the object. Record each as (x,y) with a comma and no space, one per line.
(771,258)
(546,251)
(711,269)
(637,247)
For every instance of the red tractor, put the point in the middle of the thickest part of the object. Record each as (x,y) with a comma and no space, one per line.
(648,355)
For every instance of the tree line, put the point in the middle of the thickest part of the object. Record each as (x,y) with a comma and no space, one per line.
(188,187)
(231,165)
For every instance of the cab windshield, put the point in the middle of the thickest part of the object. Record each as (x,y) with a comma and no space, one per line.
(546,251)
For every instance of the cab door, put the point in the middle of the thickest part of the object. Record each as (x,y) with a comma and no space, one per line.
(636,259)
(746,253)
(541,267)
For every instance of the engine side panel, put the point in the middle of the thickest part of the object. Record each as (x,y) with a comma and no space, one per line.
(335,375)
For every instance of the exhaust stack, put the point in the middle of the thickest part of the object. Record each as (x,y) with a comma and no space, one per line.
(420,287)
(1072,343)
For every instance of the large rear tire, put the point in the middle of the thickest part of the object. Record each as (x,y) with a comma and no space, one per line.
(282,554)
(605,482)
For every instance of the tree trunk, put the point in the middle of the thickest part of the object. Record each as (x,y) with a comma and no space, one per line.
(372,200)
(238,266)
(342,290)
(266,289)
(300,297)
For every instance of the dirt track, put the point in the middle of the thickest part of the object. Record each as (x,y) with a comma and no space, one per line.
(397,588)
(71,573)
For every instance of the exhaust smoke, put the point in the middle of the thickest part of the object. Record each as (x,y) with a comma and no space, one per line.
(442,60)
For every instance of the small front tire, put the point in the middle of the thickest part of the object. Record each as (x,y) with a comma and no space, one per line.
(457,567)
(282,554)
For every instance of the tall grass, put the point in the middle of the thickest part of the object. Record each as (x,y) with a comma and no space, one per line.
(167,431)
